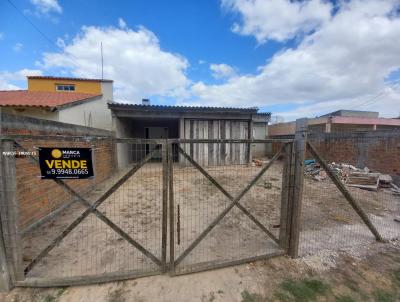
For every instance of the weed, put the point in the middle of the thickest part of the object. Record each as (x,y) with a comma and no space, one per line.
(248,297)
(304,290)
(396,277)
(116,296)
(381,295)
(50,298)
(54,298)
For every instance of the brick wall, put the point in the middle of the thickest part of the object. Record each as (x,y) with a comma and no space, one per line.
(36,197)
(377,150)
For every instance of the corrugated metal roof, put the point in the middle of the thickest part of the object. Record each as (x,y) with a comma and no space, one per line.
(68,79)
(254,110)
(25,98)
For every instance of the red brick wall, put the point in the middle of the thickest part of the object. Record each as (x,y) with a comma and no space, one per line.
(36,197)
(378,150)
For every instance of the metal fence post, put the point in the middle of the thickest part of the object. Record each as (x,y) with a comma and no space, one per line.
(10,243)
(171,210)
(164,156)
(300,142)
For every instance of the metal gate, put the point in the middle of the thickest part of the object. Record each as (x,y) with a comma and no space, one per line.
(225,207)
(154,206)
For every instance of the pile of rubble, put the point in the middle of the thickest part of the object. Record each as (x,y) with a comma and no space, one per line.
(352,176)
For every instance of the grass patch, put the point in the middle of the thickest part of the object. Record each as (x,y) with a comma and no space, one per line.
(302,290)
(345,298)
(54,298)
(396,277)
(248,297)
(381,295)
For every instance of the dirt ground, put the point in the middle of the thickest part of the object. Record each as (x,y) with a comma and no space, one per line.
(93,248)
(370,274)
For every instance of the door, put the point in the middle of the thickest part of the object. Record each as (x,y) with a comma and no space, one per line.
(155,133)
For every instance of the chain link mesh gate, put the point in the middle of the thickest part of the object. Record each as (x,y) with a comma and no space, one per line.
(225,205)
(224,208)
(110,227)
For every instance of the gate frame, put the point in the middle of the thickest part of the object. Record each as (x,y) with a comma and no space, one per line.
(10,268)
(234,201)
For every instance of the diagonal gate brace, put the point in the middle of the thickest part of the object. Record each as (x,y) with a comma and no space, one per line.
(354,204)
(234,202)
(92,208)
(229,196)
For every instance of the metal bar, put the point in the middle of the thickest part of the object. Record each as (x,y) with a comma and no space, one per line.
(84,280)
(56,241)
(199,267)
(88,138)
(222,141)
(138,140)
(46,218)
(354,204)
(178,224)
(171,211)
(92,208)
(230,197)
(227,209)
(249,145)
(164,158)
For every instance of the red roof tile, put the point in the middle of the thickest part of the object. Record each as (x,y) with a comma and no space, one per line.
(25,98)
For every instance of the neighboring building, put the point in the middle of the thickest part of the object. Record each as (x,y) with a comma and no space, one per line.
(68,100)
(340,121)
(185,122)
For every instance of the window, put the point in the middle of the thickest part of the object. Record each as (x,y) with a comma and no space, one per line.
(65,87)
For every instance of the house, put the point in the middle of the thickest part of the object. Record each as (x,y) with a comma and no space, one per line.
(186,122)
(69,100)
(340,121)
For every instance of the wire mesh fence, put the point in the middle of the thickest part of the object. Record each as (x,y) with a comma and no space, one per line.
(62,238)
(368,164)
(114,225)
(207,177)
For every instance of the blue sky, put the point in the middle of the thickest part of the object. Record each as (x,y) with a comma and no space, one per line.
(294,58)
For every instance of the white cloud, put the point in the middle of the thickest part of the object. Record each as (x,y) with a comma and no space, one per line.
(132,58)
(278,19)
(47,6)
(122,23)
(18,47)
(343,62)
(8,79)
(222,71)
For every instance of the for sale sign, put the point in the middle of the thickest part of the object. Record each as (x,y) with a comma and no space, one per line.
(65,163)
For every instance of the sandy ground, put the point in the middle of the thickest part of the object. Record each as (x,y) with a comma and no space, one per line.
(329,222)
(366,275)
(93,248)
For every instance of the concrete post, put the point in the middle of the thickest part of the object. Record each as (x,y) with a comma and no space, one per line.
(300,142)
(10,243)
